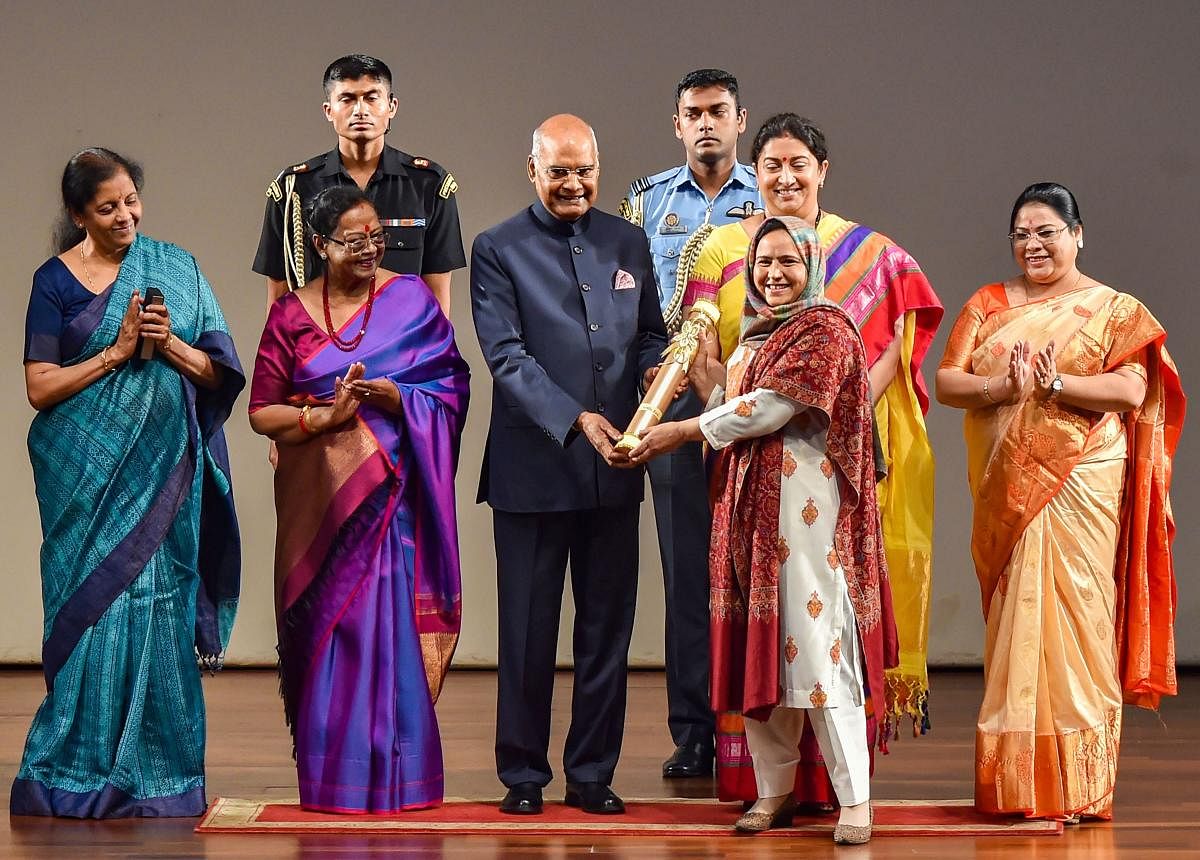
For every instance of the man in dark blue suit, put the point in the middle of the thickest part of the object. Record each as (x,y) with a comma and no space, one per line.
(567,315)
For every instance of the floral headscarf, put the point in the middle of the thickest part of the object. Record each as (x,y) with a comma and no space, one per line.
(760,319)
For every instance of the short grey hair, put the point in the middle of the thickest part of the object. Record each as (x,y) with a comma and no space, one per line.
(536,146)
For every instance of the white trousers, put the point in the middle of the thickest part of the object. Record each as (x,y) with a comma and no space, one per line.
(842,736)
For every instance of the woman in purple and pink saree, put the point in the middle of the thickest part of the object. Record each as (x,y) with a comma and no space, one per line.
(366,563)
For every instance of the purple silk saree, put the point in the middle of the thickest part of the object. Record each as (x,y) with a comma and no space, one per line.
(367,589)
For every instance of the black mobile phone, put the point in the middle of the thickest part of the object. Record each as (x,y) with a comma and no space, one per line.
(153,296)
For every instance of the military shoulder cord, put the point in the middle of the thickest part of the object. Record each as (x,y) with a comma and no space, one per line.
(673,315)
(293,219)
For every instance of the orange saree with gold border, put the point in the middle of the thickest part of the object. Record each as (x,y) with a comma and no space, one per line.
(1072,547)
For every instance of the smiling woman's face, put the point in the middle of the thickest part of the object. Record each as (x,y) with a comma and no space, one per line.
(1044,261)
(790,177)
(111,217)
(780,273)
(359,229)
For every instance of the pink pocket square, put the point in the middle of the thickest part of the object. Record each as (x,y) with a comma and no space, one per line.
(623,280)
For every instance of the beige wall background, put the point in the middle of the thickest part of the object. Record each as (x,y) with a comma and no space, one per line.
(937,114)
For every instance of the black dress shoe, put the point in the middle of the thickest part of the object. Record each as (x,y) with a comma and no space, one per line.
(689,760)
(593,797)
(524,798)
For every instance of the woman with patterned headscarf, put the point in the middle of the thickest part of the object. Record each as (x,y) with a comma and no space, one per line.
(802,619)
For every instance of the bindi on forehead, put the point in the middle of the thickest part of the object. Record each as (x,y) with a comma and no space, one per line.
(360,225)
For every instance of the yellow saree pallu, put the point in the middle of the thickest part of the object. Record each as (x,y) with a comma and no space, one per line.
(906,512)
(1056,490)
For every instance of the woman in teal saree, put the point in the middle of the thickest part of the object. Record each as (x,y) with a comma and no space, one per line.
(140,556)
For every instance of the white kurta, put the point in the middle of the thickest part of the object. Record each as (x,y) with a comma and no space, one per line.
(820,659)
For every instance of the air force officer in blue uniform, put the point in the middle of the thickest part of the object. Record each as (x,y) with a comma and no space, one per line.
(568,318)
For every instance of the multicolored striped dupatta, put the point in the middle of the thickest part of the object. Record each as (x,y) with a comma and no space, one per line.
(140,553)
(877,282)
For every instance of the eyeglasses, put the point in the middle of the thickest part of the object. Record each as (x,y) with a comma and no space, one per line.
(559,174)
(1046,235)
(360,244)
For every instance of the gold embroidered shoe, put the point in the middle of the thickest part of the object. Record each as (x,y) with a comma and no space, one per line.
(854,834)
(758,822)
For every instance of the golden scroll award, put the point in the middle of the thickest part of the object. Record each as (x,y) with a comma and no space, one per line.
(678,358)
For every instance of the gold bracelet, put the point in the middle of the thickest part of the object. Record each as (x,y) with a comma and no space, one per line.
(987,381)
(303,422)
(167,342)
(105,360)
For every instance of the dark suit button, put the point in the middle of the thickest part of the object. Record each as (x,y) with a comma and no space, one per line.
(585,287)
(594,327)
(599,366)
(577,249)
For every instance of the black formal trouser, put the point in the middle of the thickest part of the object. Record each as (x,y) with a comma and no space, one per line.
(684,522)
(532,551)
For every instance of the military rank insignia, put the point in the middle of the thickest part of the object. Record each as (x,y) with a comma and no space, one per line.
(274,191)
(449,186)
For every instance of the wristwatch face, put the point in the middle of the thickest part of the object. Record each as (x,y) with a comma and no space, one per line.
(1056,385)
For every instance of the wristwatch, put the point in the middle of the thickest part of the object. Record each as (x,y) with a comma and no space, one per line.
(1056,385)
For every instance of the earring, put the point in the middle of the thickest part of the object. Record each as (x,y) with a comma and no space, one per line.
(1080,244)
(324,257)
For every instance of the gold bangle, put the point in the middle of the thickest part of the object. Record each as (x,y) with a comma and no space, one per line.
(104,359)
(167,342)
(987,381)
(303,421)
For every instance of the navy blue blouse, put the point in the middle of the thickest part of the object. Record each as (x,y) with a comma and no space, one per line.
(57,298)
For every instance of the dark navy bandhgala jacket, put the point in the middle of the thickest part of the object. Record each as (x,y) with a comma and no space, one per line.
(568,318)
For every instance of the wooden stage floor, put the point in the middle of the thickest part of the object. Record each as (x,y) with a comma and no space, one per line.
(1157,802)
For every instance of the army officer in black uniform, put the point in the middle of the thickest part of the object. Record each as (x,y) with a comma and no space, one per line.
(414,197)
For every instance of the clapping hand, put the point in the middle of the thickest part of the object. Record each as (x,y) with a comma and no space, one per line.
(1019,369)
(382,393)
(127,334)
(1044,371)
(345,400)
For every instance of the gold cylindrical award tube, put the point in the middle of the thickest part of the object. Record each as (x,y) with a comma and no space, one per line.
(679,355)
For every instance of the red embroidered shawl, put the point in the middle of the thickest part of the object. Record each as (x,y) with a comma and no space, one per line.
(817,358)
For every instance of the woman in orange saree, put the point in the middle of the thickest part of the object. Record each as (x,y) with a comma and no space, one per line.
(1073,412)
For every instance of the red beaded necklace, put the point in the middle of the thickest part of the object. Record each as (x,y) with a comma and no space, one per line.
(352,344)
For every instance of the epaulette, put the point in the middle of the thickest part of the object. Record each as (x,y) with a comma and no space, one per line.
(640,185)
(449,183)
(423,163)
(275,192)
